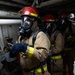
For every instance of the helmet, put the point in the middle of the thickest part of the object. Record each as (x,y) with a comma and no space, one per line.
(49,22)
(63,14)
(49,18)
(30,11)
(63,21)
(71,17)
(29,16)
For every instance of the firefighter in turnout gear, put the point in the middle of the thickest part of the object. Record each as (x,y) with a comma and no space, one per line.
(72,39)
(57,45)
(72,20)
(33,55)
(67,30)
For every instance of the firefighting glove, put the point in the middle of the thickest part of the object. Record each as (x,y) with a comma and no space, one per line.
(16,48)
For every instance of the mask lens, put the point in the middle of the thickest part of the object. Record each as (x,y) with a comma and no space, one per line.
(26,24)
(28,20)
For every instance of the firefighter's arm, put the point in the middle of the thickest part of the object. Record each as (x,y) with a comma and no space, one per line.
(41,47)
(59,44)
(16,48)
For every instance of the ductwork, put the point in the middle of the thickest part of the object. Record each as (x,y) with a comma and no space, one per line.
(10,21)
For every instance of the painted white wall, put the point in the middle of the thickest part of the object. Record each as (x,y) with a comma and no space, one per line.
(9,28)
(8,31)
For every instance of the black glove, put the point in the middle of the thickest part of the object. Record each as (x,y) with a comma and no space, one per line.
(16,48)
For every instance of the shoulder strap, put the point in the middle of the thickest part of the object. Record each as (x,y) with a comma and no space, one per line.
(34,36)
(55,35)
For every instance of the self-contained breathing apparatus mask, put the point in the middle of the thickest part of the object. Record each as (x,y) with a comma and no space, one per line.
(25,29)
(63,24)
(49,27)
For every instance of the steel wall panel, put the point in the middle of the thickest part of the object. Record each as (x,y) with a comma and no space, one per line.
(8,31)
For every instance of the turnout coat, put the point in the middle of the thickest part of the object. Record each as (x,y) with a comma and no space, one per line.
(35,55)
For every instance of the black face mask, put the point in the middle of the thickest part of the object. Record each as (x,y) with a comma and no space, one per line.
(63,24)
(49,27)
(25,29)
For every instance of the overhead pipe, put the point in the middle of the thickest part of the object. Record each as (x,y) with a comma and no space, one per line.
(8,14)
(34,4)
(23,2)
(10,3)
(43,4)
(10,21)
(50,2)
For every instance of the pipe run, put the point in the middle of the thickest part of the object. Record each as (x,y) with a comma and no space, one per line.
(8,14)
(10,21)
